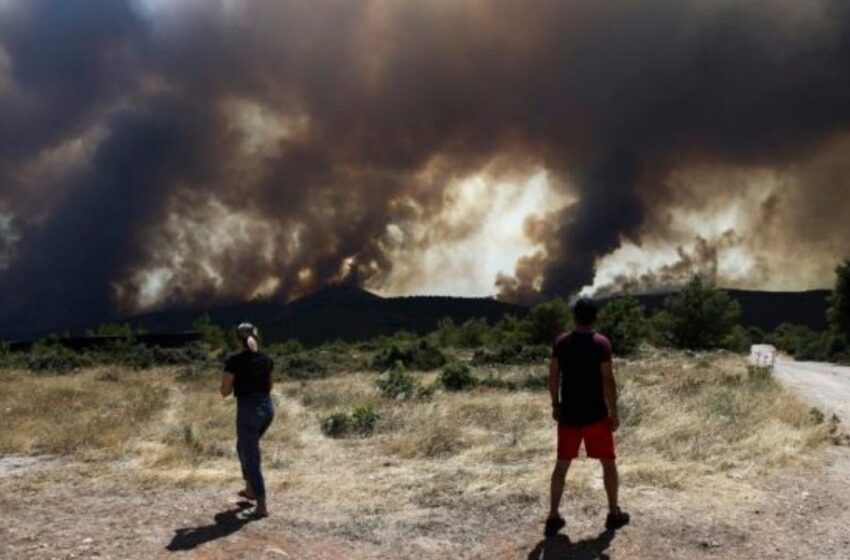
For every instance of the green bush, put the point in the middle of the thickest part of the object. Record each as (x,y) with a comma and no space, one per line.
(9,359)
(285,348)
(514,354)
(699,317)
(336,425)
(53,357)
(398,384)
(839,302)
(473,333)
(547,320)
(457,377)
(363,420)
(421,355)
(212,334)
(738,340)
(360,422)
(447,333)
(623,321)
(305,365)
(511,331)
(130,354)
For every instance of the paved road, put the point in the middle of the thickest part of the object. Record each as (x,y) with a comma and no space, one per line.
(826,386)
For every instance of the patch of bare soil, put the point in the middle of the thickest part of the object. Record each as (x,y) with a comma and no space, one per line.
(74,514)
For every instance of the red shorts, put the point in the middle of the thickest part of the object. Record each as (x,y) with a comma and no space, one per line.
(598,440)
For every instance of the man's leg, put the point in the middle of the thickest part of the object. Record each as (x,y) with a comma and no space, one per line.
(559,475)
(612,483)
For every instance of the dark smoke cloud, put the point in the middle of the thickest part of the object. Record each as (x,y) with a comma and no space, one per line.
(380,106)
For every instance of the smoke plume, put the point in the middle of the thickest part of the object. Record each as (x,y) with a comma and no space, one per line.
(157,153)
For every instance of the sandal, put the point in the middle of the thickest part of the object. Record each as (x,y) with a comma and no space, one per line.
(247,495)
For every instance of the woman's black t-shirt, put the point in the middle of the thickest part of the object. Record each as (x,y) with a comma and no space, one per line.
(252,373)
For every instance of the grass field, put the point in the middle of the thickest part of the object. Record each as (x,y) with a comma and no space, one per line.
(685,419)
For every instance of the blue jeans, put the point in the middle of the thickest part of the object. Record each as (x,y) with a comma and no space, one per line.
(254,415)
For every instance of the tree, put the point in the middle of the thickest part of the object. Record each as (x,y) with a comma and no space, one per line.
(700,316)
(473,333)
(839,309)
(211,333)
(623,321)
(447,332)
(547,320)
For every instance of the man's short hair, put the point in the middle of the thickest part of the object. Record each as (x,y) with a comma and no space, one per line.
(585,311)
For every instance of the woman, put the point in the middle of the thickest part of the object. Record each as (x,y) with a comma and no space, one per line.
(248,375)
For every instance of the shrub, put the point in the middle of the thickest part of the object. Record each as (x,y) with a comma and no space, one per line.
(336,425)
(211,333)
(738,340)
(285,348)
(515,354)
(9,359)
(473,333)
(457,377)
(839,308)
(360,422)
(510,330)
(700,316)
(49,356)
(547,320)
(363,420)
(138,356)
(623,321)
(304,365)
(421,355)
(395,383)
(447,333)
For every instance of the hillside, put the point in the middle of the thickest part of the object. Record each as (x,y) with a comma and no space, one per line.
(338,312)
(351,313)
(767,310)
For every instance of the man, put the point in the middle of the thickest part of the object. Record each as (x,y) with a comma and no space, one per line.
(584,404)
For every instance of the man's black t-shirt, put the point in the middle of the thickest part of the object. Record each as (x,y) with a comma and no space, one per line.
(252,373)
(580,357)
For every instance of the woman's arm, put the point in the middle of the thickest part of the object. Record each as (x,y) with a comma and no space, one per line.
(226,384)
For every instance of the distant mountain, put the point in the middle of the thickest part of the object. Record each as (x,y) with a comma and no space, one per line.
(351,313)
(767,310)
(337,312)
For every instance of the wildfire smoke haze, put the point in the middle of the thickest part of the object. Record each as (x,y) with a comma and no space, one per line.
(157,153)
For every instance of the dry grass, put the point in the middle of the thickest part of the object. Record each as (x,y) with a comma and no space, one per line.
(89,415)
(686,420)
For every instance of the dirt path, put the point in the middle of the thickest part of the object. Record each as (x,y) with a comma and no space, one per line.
(826,386)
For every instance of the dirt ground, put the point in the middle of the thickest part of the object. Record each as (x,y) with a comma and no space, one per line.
(58,508)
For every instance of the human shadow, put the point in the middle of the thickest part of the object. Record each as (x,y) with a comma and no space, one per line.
(226,523)
(559,547)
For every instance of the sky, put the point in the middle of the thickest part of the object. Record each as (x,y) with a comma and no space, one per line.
(163,153)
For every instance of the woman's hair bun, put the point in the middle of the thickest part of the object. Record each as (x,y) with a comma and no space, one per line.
(246,330)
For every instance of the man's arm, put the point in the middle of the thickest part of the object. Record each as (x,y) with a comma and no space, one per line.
(226,384)
(554,385)
(610,388)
